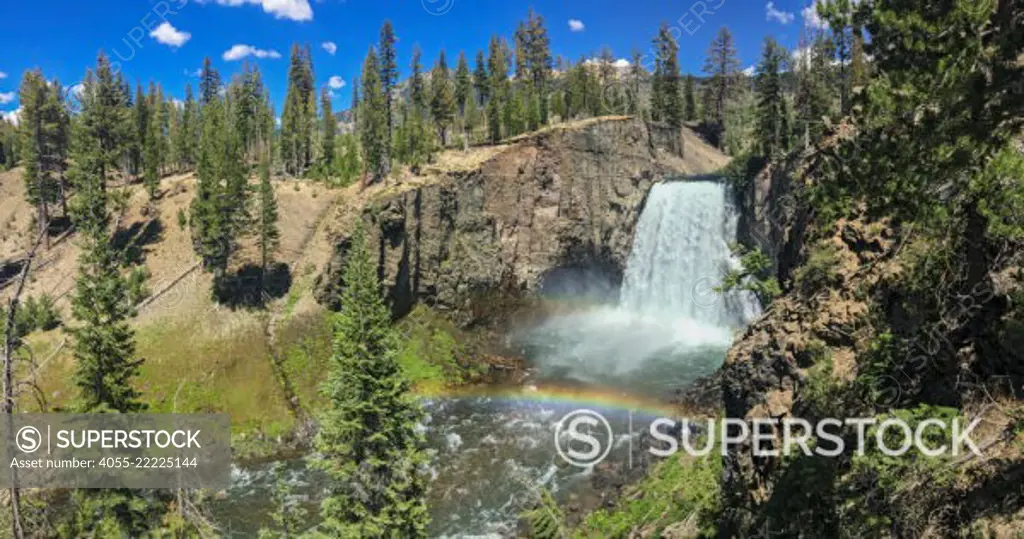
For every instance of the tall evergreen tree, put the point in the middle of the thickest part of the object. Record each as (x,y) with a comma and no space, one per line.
(538,65)
(442,104)
(463,85)
(328,132)
(138,143)
(219,210)
(388,58)
(372,450)
(636,78)
(104,342)
(104,123)
(722,66)
(209,82)
(151,143)
(44,140)
(415,140)
(269,236)
(839,16)
(299,118)
(373,121)
(480,79)
(772,112)
(497,74)
(189,132)
(355,102)
(813,96)
(689,101)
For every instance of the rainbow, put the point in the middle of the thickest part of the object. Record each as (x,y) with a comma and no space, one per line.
(562,396)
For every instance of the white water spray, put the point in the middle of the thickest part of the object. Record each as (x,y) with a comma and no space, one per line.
(670,321)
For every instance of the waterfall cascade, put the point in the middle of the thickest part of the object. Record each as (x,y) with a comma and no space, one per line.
(681,253)
(670,324)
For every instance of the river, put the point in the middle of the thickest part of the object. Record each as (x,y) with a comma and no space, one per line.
(492,451)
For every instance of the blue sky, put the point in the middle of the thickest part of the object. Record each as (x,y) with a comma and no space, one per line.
(166,40)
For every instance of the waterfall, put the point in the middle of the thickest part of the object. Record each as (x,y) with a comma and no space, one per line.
(681,254)
(671,325)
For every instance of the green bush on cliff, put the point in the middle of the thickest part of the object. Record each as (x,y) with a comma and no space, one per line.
(679,492)
(754,275)
(819,269)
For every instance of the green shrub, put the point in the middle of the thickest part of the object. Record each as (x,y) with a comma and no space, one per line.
(37,314)
(676,490)
(755,275)
(819,269)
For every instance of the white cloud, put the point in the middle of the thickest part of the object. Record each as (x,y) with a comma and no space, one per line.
(169,35)
(77,89)
(13,117)
(749,71)
(330,46)
(3,75)
(621,63)
(194,73)
(773,14)
(296,10)
(336,82)
(576,25)
(179,104)
(811,17)
(238,52)
(6,98)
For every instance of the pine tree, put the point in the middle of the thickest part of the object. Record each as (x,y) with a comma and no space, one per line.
(839,16)
(611,98)
(480,79)
(269,237)
(220,209)
(442,105)
(721,66)
(151,148)
(174,136)
(463,85)
(43,140)
(355,102)
(813,97)
(772,125)
(162,114)
(330,125)
(368,437)
(373,121)
(497,76)
(209,82)
(299,118)
(636,78)
(189,132)
(104,342)
(388,59)
(138,143)
(104,124)
(689,101)
(416,142)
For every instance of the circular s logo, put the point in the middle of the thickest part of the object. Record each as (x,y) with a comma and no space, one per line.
(28,439)
(576,433)
(438,7)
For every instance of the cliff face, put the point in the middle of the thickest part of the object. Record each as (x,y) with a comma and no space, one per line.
(560,199)
(876,318)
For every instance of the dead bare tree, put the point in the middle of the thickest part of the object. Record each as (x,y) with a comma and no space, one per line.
(10,345)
